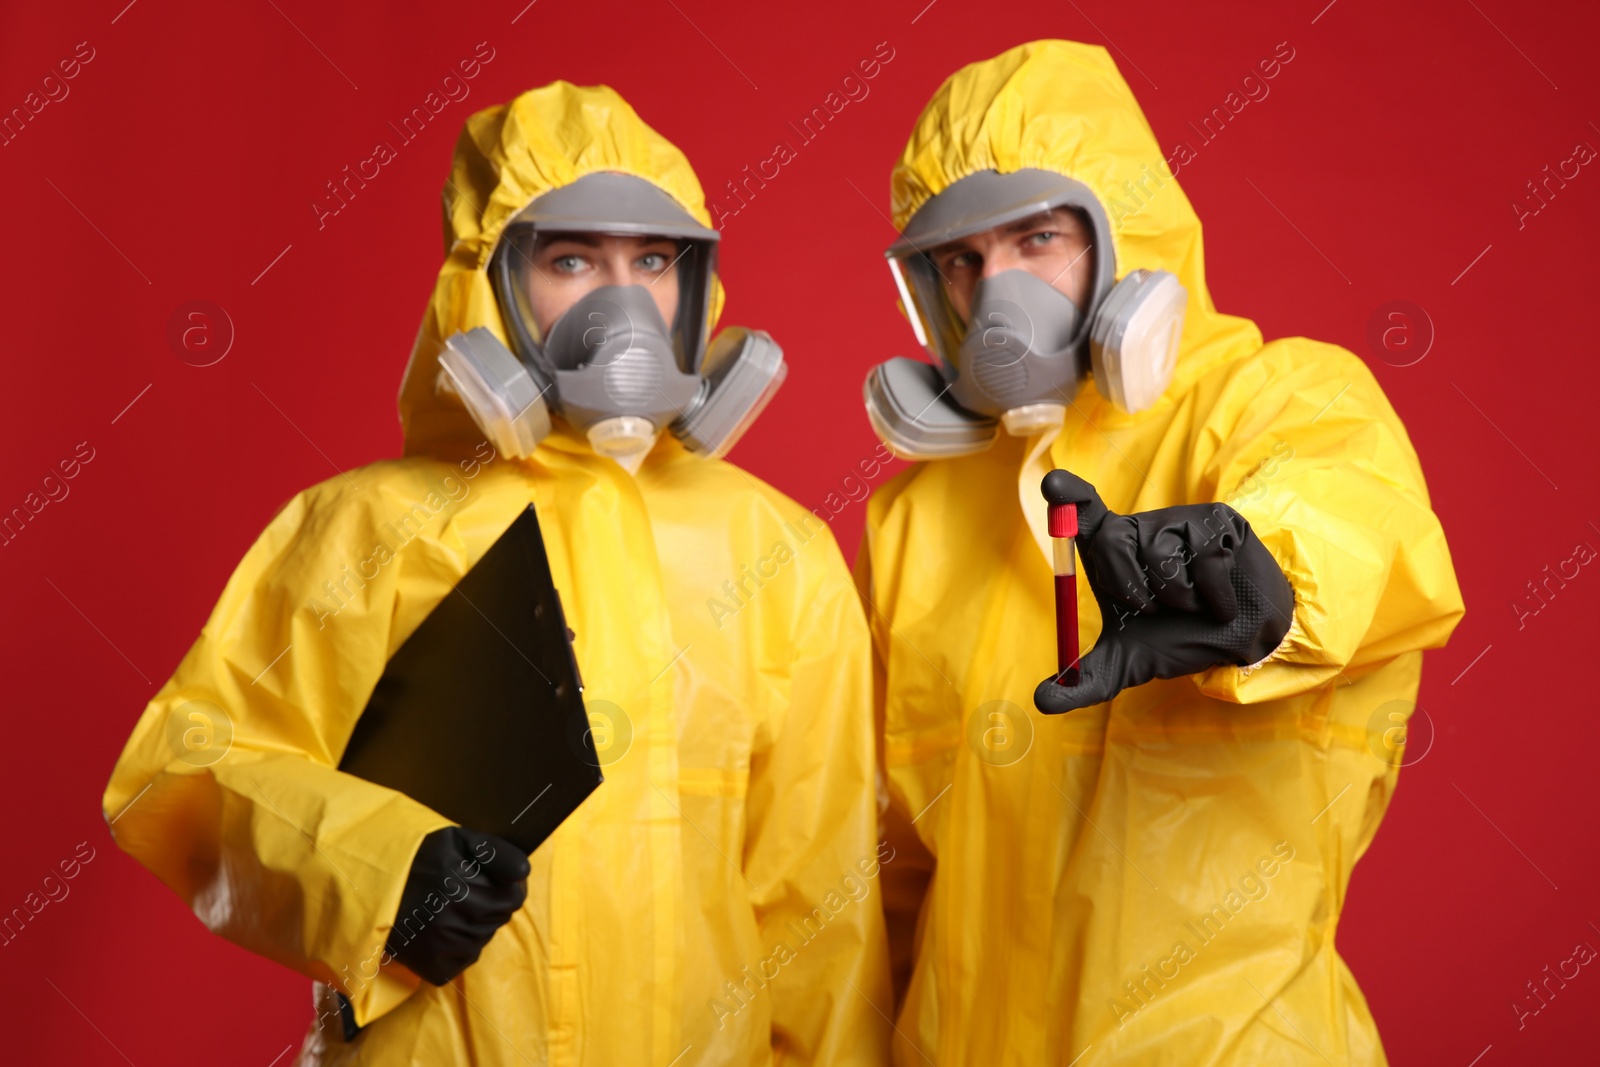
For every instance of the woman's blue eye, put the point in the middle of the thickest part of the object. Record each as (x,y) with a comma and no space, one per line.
(569,264)
(652,261)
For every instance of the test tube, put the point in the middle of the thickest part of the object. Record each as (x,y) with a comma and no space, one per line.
(1063,523)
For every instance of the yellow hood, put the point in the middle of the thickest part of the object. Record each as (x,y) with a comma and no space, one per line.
(1062,106)
(508,156)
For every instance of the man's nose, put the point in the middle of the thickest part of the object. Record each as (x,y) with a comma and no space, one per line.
(998,261)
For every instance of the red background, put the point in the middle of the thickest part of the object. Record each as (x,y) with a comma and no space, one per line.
(185,160)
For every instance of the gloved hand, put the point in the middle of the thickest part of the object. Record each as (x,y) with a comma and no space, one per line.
(1180,590)
(463,886)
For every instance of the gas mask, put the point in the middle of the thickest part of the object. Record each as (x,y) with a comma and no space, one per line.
(610,365)
(1021,354)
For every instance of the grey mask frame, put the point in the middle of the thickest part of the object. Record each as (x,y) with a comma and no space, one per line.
(621,369)
(1036,345)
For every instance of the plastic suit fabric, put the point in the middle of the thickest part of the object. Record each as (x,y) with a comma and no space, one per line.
(716,900)
(1157,879)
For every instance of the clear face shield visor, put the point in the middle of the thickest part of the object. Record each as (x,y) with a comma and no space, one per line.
(614,204)
(979,202)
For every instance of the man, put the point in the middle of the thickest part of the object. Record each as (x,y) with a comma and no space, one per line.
(1153,871)
(715,900)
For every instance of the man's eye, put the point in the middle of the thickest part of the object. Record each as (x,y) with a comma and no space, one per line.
(963,260)
(1043,237)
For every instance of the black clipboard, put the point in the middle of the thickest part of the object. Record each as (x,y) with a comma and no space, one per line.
(479,714)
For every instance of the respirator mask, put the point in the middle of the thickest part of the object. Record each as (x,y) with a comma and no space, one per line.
(610,365)
(1020,355)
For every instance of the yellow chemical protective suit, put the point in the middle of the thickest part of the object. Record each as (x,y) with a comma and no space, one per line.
(716,900)
(1157,880)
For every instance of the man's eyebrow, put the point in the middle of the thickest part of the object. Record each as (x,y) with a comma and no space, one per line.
(1050,216)
(960,244)
(1043,218)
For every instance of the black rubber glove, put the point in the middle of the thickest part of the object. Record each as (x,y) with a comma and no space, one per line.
(464,885)
(1180,590)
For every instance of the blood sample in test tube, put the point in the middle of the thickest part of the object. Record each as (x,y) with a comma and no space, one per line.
(1063,523)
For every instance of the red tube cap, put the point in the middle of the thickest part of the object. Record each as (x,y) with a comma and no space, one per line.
(1063,520)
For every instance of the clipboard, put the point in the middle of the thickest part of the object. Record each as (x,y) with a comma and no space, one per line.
(479,714)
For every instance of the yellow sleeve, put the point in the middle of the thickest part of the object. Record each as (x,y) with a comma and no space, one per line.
(1303,443)
(908,865)
(227,789)
(812,851)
